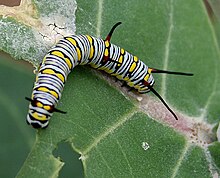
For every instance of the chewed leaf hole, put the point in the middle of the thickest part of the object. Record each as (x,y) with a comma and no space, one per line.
(72,164)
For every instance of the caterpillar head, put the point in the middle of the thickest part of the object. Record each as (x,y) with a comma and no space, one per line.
(39,113)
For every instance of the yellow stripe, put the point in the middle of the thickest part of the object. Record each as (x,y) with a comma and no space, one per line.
(106,52)
(146,77)
(107,44)
(78,53)
(38,117)
(50,71)
(71,40)
(55,94)
(44,89)
(91,46)
(132,67)
(61,77)
(91,52)
(47,107)
(67,60)
(135,58)
(39,104)
(58,54)
(120,60)
(89,38)
(122,51)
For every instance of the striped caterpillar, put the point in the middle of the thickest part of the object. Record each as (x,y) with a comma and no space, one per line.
(80,50)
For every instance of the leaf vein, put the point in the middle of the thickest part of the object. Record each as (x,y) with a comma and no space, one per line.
(125,156)
(106,163)
(81,127)
(99,18)
(110,130)
(180,160)
(167,50)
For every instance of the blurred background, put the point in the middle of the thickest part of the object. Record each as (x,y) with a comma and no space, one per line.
(16,137)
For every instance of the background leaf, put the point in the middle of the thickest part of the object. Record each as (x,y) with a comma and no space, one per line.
(16,140)
(108,126)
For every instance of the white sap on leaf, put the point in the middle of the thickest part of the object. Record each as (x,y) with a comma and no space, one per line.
(145,146)
(139,98)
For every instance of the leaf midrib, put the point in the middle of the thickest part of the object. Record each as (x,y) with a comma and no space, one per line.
(167,50)
(99,18)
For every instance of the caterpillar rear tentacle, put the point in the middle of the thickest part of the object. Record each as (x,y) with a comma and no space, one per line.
(170,72)
(80,50)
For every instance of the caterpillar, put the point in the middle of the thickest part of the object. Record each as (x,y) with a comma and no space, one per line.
(100,54)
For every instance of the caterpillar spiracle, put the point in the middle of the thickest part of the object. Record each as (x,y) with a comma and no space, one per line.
(80,50)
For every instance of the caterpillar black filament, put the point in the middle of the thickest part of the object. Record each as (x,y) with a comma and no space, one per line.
(80,50)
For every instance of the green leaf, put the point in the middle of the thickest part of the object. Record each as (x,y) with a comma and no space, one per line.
(120,133)
(16,139)
(214,13)
(215,152)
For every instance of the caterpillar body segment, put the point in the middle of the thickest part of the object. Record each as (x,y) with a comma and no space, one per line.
(81,50)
